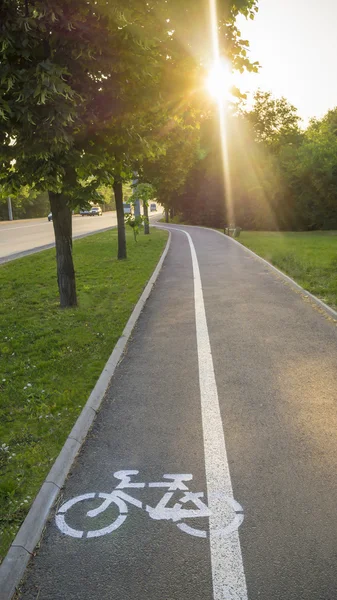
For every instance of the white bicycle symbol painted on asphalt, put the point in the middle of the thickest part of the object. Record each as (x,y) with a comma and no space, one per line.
(160,512)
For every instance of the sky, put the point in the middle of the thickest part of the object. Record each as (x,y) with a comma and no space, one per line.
(295,42)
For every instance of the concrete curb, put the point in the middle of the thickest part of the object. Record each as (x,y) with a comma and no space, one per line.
(29,534)
(331,312)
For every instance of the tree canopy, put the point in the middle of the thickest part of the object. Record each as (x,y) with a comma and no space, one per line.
(74,72)
(88,89)
(282,177)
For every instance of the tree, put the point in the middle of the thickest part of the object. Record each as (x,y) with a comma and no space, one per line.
(312,175)
(252,198)
(281,179)
(49,80)
(26,203)
(77,80)
(199,195)
(168,171)
(267,133)
(69,71)
(144,192)
(177,94)
(303,164)
(274,120)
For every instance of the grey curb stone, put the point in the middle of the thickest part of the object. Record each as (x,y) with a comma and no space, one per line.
(16,560)
(80,429)
(64,460)
(32,527)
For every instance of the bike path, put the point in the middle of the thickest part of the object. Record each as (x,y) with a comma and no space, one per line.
(149,422)
(275,359)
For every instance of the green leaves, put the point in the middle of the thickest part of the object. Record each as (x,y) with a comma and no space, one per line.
(96,83)
(135,223)
(274,120)
(143,192)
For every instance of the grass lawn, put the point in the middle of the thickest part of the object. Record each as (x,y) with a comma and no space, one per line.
(50,359)
(310,258)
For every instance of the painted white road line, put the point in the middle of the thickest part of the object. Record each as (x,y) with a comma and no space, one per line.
(23,226)
(228,576)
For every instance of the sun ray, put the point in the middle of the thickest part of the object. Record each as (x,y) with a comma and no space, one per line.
(221,98)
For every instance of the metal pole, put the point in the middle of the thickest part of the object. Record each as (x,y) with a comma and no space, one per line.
(10,212)
(137,208)
(137,203)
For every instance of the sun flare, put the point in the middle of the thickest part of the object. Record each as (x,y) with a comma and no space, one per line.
(219,80)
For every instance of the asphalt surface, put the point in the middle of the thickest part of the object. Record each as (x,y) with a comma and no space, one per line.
(27,236)
(21,237)
(275,365)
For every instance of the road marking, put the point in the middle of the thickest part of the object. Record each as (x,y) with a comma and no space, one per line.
(228,576)
(161,512)
(10,228)
(23,226)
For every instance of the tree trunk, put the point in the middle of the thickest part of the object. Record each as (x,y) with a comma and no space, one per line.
(167,215)
(146,215)
(62,222)
(172,212)
(118,191)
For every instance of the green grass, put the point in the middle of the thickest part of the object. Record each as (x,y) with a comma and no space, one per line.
(310,258)
(51,358)
(177,220)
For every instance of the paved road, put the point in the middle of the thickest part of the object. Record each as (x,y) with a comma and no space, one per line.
(22,236)
(18,238)
(242,358)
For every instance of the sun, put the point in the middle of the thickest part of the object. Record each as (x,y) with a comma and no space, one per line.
(219,80)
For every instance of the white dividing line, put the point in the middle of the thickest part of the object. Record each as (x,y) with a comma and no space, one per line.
(22,227)
(228,576)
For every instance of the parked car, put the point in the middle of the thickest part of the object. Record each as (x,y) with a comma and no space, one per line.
(84,212)
(127,208)
(153,206)
(96,210)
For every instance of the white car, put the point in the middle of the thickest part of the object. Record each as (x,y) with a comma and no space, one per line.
(96,210)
